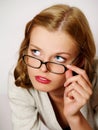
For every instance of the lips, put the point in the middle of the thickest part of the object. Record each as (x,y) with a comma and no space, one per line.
(42,80)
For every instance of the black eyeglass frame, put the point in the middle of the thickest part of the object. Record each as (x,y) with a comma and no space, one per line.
(45,63)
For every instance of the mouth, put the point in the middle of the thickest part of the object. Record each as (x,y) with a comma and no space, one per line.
(42,80)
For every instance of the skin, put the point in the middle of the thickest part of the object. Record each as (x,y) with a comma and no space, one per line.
(71,92)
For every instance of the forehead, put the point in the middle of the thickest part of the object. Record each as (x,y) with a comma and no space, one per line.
(51,41)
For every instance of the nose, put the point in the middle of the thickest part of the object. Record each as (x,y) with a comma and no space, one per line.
(43,68)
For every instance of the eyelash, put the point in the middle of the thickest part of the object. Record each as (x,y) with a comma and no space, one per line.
(33,51)
(61,58)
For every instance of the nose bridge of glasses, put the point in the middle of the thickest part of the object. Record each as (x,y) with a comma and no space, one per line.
(43,65)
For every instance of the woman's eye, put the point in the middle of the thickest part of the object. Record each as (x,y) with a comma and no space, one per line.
(35,52)
(59,59)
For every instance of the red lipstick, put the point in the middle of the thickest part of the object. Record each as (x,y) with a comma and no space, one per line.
(42,80)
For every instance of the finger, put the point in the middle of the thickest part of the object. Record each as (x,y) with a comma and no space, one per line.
(78,98)
(79,71)
(75,86)
(80,81)
(68,74)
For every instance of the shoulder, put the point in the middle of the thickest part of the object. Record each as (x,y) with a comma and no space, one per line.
(16,93)
(31,96)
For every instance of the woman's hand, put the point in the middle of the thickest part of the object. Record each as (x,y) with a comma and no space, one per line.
(78,90)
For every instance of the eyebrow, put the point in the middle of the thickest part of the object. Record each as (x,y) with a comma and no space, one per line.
(67,53)
(35,46)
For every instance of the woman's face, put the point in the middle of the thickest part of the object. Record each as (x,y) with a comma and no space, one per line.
(56,47)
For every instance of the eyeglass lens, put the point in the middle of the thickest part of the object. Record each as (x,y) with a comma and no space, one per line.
(51,66)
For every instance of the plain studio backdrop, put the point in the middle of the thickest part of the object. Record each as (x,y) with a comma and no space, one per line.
(14,14)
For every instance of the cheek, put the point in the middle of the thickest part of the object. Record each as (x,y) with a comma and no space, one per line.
(59,80)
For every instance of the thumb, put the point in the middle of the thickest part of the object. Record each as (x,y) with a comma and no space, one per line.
(68,74)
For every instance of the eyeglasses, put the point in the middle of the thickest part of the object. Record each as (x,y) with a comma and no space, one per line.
(36,63)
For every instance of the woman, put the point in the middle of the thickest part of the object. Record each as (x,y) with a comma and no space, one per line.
(54,81)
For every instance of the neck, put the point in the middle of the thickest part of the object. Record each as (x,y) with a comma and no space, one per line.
(57,95)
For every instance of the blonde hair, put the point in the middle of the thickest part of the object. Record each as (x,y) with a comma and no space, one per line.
(64,18)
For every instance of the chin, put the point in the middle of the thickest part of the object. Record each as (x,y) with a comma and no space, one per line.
(41,87)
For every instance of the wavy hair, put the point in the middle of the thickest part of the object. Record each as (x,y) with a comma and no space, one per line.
(63,18)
